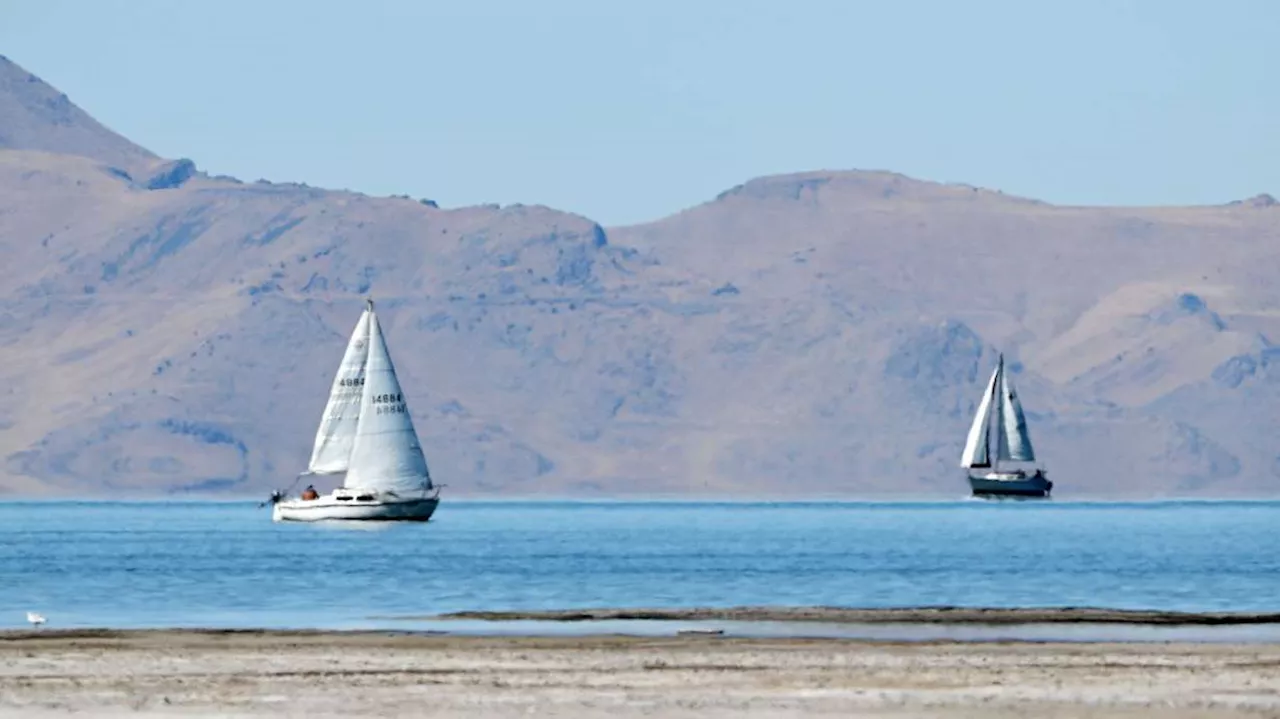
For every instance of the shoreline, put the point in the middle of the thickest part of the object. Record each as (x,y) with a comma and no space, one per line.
(337,639)
(908,625)
(197,637)
(803,621)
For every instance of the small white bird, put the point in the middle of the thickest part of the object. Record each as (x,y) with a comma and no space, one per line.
(35,619)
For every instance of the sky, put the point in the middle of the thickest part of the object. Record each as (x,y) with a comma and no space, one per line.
(629,111)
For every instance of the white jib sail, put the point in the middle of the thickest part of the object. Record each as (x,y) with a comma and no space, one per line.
(1015,444)
(975,448)
(337,432)
(387,456)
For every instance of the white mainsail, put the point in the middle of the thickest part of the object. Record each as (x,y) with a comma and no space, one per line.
(975,448)
(1015,441)
(386,455)
(337,432)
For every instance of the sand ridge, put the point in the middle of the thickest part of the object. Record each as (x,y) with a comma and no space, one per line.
(896,615)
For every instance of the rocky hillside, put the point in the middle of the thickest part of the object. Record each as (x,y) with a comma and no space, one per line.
(828,333)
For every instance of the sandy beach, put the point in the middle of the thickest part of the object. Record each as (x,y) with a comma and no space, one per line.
(322,674)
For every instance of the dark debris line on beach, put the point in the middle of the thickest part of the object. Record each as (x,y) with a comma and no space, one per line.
(906,615)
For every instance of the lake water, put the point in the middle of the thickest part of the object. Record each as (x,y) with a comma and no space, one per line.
(154,564)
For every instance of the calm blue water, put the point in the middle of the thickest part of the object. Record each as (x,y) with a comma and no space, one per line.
(227,564)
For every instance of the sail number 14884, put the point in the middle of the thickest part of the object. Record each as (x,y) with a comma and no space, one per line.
(389,403)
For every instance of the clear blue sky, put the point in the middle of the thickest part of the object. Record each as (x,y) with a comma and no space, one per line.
(628,111)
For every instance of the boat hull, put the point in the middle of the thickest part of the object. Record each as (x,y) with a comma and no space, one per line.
(1012,485)
(329,508)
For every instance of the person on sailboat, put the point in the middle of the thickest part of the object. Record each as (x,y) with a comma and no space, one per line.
(310,493)
(276,496)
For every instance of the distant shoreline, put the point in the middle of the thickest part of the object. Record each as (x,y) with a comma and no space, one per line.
(581,627)
(976,625)
(840,623)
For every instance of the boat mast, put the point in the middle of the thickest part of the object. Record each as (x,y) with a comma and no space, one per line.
(997,416)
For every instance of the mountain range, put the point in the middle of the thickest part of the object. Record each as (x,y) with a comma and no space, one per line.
(168,332)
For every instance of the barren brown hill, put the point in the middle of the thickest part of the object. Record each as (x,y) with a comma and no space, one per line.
(874,302)
(818,334)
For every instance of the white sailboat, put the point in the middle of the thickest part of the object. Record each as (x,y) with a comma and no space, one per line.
(1001,408)
(367,434)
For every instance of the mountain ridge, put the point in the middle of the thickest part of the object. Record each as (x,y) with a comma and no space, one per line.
(822,333)
(36,116)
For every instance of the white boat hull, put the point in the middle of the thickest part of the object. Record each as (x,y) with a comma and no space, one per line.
(1017,485)
(373,510)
